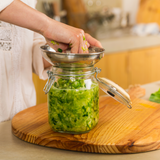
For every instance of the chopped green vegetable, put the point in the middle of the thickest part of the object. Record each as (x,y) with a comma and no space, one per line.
(84,38)
(70,45)
(54,43)
(155,97)
(84,49)
(59,50)
(73,108)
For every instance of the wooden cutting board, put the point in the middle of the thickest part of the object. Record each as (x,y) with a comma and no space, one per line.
(120,130)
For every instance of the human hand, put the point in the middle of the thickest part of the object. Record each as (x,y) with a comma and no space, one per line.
(59,35)
(52,30)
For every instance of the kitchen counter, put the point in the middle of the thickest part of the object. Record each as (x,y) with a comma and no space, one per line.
(15,149)
(130,42)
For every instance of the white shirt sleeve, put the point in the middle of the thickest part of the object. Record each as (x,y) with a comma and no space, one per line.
(37,60)
(4,4)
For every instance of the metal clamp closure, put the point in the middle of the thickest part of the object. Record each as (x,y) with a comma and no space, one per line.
(97,70)
(49,83)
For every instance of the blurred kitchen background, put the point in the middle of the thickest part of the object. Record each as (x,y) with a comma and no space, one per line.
(127,29)
(94,16)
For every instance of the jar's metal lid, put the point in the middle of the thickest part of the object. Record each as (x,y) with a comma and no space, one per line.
(68,59)
(115,91)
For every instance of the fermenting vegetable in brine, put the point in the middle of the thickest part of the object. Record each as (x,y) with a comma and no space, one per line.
(73,105)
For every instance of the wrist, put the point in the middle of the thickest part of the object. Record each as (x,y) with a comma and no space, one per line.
(49,28)
(44,22)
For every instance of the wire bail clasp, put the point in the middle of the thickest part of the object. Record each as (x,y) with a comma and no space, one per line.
(49,83)
(97,70)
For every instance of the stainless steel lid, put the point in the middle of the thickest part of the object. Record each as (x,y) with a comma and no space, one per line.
(68,59)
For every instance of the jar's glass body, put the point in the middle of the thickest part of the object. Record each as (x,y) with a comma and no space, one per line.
(73,100)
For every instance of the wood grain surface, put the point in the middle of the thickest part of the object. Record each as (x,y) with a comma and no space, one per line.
(149,11)
(120,130)
(77,15)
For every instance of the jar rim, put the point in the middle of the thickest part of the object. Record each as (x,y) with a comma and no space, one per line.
(74,67)
(71,71)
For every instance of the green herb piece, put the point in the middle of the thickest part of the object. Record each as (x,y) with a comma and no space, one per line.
(84,49)
(84,38)
(70,45)
(155,97)
(60,50)
(54,43)
(72,106)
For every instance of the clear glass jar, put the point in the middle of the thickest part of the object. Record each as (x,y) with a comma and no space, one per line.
(73,100)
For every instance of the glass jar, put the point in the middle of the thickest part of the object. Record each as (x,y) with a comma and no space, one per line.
(73,99)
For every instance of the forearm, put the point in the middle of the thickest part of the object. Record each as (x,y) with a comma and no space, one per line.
(46,64)
(22,15)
